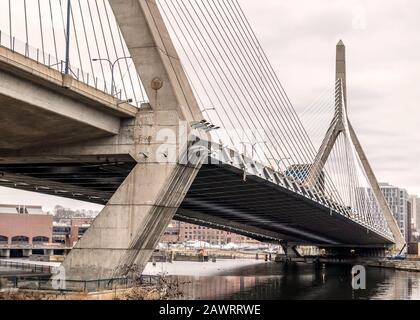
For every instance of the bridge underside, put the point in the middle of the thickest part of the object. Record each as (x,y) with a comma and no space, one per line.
(261,209)
(219,198)
(26,126)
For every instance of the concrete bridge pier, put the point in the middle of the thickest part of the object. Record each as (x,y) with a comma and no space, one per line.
(4,253)
(123,237)
(290,250)
(26,253)
(357,252)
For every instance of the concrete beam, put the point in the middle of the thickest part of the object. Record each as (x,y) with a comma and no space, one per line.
(155,57)
(47,77)
(21,101)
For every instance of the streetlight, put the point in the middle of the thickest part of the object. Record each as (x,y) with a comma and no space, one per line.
(208,109)
(67,66)
(124,101)
(112,65)
(279,161)
(253,146)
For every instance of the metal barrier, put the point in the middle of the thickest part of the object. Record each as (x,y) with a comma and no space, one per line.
(57,64)
(34,268)
(76,286)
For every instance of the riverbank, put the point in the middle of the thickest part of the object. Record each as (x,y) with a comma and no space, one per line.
(143,288)
(248,280)
(402,265)
(138,293)
(410,265)
(194,255)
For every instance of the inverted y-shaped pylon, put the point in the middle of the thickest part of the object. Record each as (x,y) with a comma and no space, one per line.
(341,124)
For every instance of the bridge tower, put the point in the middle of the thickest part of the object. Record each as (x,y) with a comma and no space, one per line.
(126,232)
(341,124)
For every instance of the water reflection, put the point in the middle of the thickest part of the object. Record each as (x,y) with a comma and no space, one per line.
(244,280)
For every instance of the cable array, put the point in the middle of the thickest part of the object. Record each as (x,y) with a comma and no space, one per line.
(238,90)
(38,30)
(237,87)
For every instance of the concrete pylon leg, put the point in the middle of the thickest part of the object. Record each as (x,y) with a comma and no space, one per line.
(129,227)
(290,251)
(389,217)
(323,154)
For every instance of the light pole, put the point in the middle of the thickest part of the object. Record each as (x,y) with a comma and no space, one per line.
(253,145)
(279,161)
(208,109)
(67,66)
(112,65)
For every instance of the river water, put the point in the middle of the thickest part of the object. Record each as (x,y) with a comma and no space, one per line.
(248,280)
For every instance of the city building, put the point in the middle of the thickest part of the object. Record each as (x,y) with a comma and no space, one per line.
(415,209)
(301,172)
(182,232)
(398,201)
(415,218)
(172,234)
(24,230)
(28,230)
(409,227)
(68,231)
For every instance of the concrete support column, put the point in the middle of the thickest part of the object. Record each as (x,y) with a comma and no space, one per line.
(128,229)
(290,250)
(5,253)
(27,253)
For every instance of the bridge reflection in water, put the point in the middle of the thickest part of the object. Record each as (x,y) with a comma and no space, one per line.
(273,281)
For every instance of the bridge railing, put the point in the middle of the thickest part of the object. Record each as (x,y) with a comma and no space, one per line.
(33,268)
(41,57)
(226,155)
(76,286)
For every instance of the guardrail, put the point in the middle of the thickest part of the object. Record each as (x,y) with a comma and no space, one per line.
(76,286)
(121,92)
(33,268)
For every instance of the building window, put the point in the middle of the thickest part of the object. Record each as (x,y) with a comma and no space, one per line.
(20,240)
(40,239)
(4,240)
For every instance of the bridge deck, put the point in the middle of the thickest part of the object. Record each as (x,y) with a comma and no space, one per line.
(219,197)
(40,105)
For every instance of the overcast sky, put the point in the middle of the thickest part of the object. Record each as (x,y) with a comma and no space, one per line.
(383,64)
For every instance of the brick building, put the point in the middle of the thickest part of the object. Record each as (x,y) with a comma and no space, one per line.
(68,231)
(23,229)
(182,232)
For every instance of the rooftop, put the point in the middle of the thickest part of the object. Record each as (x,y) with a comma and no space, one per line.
(21,209)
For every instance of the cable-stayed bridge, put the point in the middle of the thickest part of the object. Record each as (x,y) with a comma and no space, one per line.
(170,108)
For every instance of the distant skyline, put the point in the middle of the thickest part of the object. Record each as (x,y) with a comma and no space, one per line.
(383,60)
